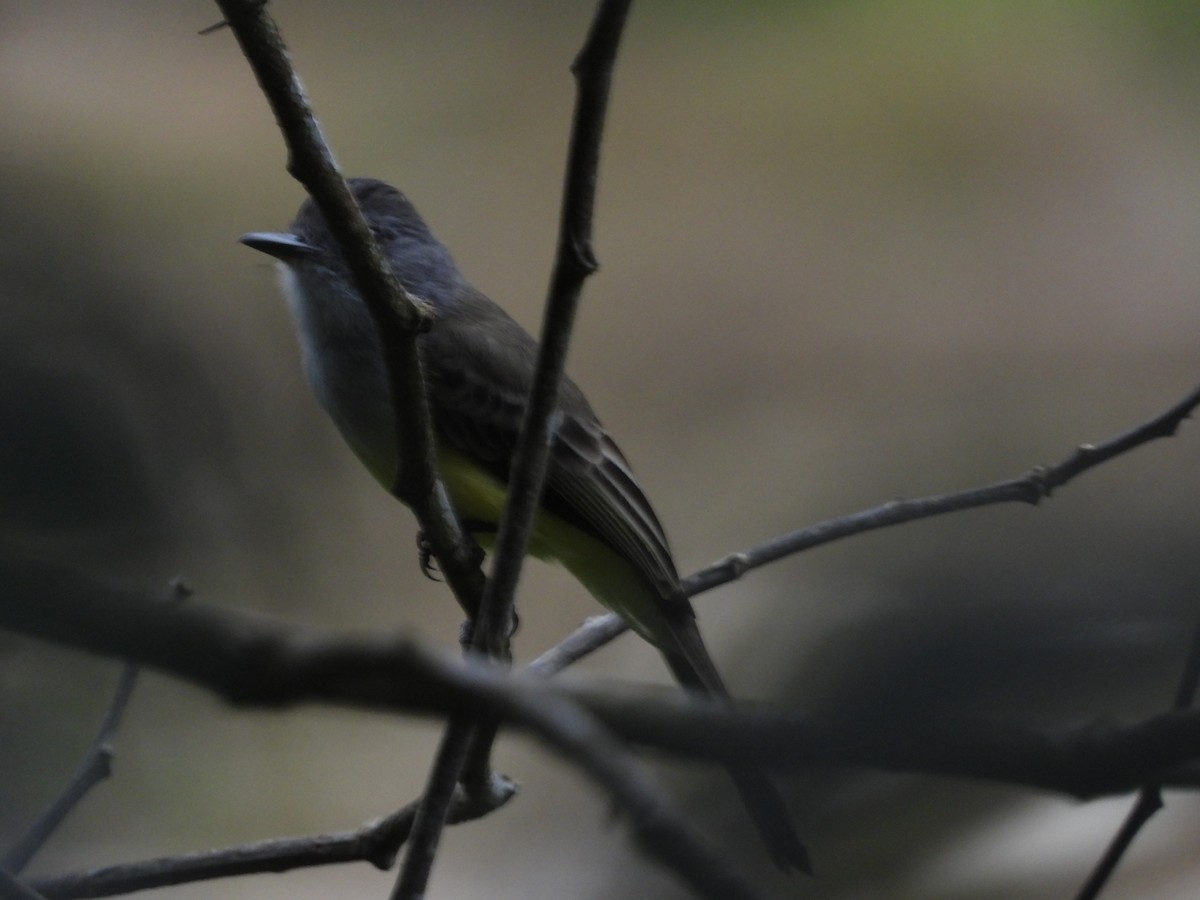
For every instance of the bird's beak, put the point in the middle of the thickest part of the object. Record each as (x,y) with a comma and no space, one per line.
(284,246)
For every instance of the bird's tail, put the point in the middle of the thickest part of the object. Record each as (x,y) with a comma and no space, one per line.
(693,668)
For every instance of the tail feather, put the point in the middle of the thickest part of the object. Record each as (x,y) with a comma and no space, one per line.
(693,668)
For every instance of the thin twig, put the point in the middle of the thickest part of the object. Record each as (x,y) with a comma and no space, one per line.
(661,831)
(587,638)
(96,765)
(1149,800)
(574,261)
(376,842)
(1031,488)
(397,315)
(465,751)
(13,889)
(433,808)
(398,320)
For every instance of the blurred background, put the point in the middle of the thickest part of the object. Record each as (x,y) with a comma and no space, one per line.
(850,251)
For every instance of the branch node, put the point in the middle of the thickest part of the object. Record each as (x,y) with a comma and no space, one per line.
(104,760)
(584,256)
(476,798)
(736,563)
(1037,480)
(180,589)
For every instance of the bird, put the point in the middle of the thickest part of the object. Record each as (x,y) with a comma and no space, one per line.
(594,517)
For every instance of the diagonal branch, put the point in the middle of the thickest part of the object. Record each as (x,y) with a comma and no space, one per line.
(1149,799)
(396,313)
(254,661)
(1031,488)
(251,661)
(95,767)
(375,842)
(574,262)
(13,889)
(465,750)
(432,814)
(1111,754)
(399,320)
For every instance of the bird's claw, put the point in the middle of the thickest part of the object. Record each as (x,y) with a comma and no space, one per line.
(425,558)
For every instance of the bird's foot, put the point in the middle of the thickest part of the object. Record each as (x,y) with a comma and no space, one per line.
(425,558)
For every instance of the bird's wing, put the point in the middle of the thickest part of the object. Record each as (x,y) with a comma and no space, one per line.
(479,373)
(590,477)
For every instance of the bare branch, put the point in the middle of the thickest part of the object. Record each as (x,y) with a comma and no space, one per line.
(433,806)
(13,889)
(662,833)
(1149,800)
(254,661)
(465,750)
(398,319)
(573,263)
(376,842)
(587,638)
(397,314)
(95,767)
(1029,488)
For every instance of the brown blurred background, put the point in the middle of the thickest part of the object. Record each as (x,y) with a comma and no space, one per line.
(850,251)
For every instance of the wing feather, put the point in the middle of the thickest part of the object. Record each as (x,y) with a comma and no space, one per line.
(479,365)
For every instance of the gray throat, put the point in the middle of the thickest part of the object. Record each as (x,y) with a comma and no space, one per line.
(344,364)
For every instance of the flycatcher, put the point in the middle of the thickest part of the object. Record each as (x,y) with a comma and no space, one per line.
(479,365)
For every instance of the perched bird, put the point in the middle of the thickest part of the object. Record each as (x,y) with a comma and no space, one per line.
(479,364)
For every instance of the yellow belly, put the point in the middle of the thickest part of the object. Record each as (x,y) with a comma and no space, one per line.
(608,577)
